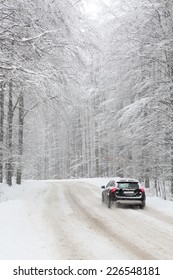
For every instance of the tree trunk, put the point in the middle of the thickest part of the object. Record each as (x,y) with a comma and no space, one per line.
(171,168)
(20,138)
(1,129)
(147,179)
(9,165)
(164,190)
(155,186)
(168,17)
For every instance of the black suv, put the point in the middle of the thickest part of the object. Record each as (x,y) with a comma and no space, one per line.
(124,191)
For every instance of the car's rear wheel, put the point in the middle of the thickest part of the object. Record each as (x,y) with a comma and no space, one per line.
(117,204)
(142,206)
(103,198)
(109,202)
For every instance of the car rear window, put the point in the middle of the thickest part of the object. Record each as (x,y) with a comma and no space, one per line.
(128,185)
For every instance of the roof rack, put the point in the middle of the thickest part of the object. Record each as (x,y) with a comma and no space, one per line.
(127,180)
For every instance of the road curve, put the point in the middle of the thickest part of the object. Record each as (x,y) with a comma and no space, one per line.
(84,228)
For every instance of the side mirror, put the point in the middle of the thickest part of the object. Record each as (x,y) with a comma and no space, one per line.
(103,187)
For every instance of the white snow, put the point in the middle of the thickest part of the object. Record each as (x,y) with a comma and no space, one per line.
(21,235)
(24,233)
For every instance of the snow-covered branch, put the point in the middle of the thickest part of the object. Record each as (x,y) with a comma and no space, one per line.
(38,36)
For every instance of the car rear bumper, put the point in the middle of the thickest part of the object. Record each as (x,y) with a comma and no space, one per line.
(130,201)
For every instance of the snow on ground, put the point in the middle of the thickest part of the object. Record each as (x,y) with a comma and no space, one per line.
(24,235)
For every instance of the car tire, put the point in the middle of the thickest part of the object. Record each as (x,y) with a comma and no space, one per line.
(142,206)
(109,203)
(117,205)
(103,198)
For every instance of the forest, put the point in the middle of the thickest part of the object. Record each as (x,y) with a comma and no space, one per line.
(86,90)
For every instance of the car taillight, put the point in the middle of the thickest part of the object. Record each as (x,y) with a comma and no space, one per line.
(142,190)
(113,190)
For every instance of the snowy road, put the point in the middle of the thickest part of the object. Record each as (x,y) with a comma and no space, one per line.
(66,220)
(83,228)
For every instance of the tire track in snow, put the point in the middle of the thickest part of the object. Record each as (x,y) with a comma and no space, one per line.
(159,215)
(63,242)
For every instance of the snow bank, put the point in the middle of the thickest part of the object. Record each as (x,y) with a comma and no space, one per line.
(22,234)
